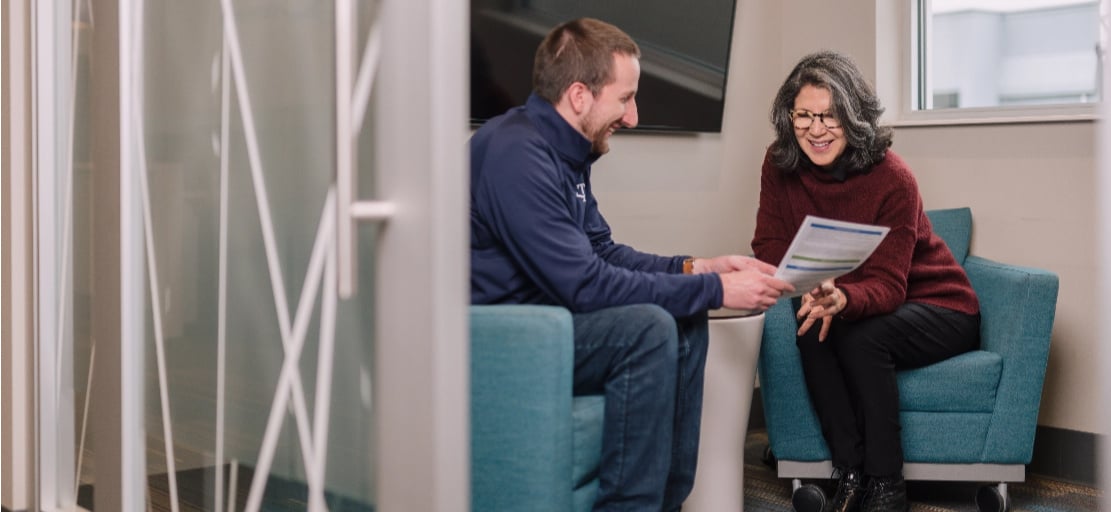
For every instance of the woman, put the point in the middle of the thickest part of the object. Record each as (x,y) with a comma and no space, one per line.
(909,305)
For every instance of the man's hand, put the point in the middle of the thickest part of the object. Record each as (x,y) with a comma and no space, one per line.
(822,303)
(752,289)
(730,263)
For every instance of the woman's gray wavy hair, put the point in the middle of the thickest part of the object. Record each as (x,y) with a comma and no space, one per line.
(854,103)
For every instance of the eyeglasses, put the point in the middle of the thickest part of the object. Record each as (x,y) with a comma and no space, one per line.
(804,119)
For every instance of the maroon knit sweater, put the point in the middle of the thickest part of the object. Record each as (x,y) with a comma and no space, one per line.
(912,264)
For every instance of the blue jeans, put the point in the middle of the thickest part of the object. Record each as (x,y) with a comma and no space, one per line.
(649,365)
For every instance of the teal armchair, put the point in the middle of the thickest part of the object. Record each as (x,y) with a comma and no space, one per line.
(533,446)
(968,418)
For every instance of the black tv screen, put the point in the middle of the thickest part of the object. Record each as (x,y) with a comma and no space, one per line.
(684,54)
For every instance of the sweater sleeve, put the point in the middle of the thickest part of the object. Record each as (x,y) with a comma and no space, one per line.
(774,229)
(879,286)
(527,207)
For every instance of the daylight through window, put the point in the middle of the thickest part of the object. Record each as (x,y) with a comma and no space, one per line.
(993,53)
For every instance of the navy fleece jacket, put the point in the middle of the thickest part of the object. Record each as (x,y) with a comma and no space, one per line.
(537,236)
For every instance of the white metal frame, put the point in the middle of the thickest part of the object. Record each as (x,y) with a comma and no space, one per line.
(422,356)
(352,99)
(1103,219)
(18,434)
(131,346)
(916,471)
(53,335)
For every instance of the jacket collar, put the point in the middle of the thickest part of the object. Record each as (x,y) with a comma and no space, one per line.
(566,140)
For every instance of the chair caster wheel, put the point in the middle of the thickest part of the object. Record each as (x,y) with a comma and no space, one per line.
(808,498)
(989,499)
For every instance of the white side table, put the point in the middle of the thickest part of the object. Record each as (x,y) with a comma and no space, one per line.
(730,377)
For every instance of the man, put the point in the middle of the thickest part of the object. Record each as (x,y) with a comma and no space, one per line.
(640,321)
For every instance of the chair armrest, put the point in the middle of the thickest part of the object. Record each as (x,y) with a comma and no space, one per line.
(1017,307)
(522,359)
(793,429)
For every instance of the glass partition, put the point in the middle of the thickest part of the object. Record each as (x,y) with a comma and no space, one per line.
(185,210)
(258,380)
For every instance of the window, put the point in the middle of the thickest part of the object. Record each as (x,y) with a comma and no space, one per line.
(987,54)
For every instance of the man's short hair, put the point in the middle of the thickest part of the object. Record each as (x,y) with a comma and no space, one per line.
(580,50)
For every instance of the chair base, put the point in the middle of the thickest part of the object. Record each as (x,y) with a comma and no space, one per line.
(990,498)
(917,471)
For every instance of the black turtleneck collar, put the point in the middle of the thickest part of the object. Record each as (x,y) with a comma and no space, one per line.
(837,171)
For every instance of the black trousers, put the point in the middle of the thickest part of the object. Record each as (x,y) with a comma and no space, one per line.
(851,377)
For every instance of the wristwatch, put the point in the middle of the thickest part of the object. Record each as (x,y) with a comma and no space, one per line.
(688,266)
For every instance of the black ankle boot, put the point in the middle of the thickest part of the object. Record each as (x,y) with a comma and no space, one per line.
(886,495)
(850,492)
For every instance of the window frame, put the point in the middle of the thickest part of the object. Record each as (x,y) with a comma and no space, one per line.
(914,86)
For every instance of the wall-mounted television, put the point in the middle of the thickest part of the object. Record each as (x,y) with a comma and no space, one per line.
(684,54)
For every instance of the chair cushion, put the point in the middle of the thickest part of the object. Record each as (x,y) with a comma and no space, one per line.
(946,437)
(587,413)
(968,383)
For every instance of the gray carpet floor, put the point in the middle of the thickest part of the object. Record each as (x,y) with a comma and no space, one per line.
(764,491)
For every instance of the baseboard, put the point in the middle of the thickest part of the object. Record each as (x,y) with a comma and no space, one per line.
(1059,454)
(1067,455)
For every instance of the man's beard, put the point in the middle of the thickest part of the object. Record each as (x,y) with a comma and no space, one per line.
(599,138)
(600,145)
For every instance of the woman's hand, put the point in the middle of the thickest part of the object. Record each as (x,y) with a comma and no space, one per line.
(822,303)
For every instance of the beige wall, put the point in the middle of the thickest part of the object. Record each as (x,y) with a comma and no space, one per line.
(1031,186)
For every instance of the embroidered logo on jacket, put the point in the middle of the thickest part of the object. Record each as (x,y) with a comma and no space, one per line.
(581,192)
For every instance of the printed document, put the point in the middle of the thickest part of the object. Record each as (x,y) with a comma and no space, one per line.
(824,249)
